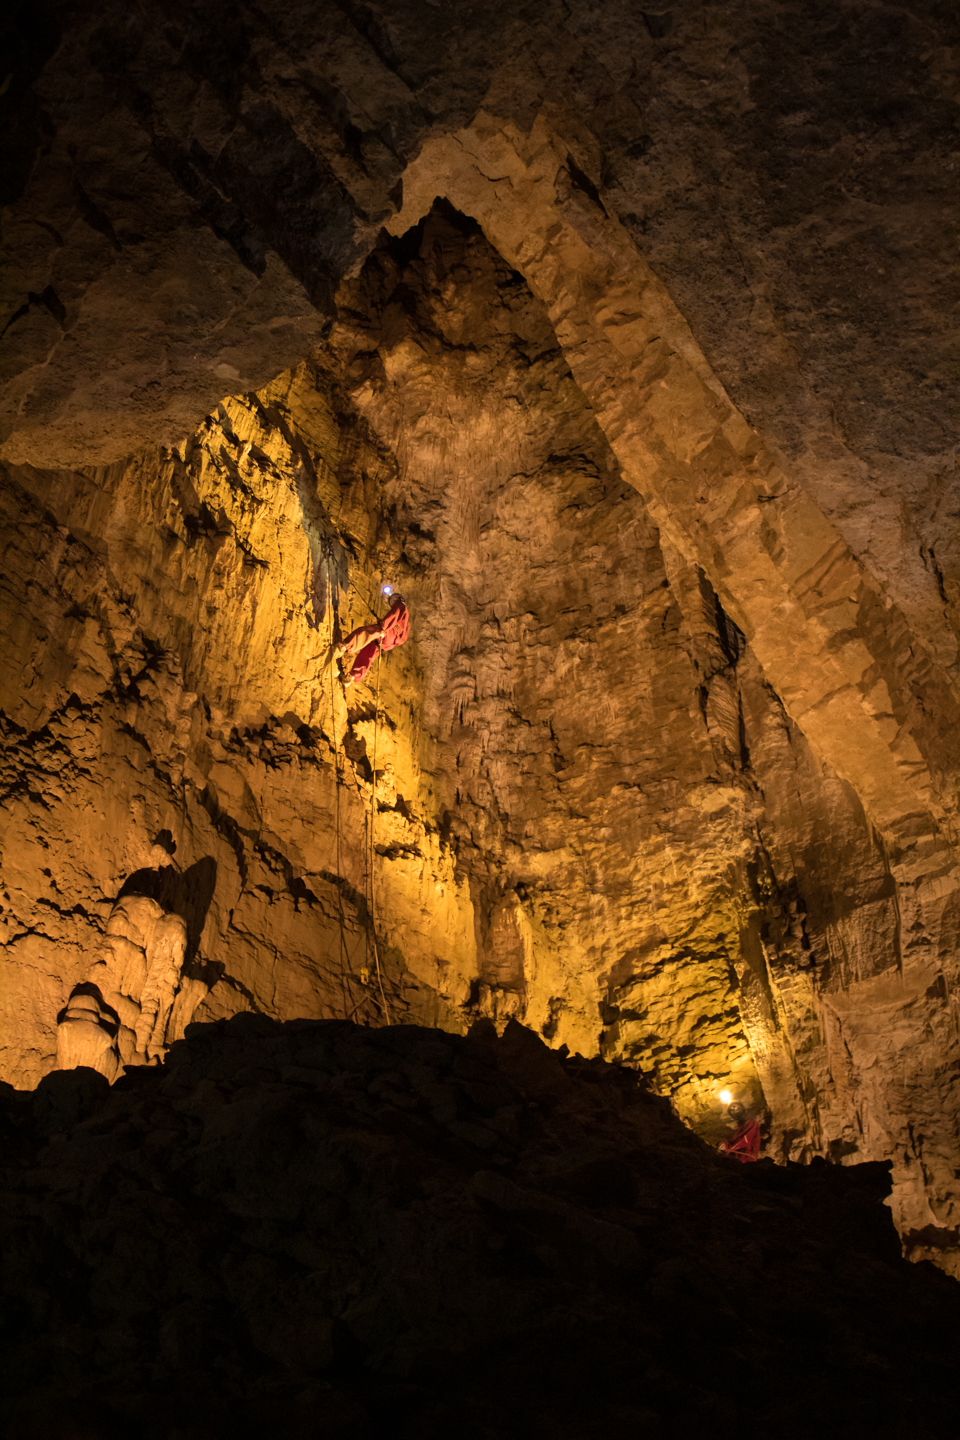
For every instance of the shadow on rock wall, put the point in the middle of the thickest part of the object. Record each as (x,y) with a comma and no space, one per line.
(316,1229)
(186,893)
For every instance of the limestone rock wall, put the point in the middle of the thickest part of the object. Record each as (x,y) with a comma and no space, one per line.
(573,798)
(655,444)
(798,213)
(171,721)
(652,815)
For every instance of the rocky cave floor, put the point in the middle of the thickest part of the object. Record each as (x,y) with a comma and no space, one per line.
(316,1229)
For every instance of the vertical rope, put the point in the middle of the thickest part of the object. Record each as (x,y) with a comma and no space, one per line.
(370,848)
(372,852)
(344,957)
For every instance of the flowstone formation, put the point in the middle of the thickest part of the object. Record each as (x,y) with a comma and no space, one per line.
(622,355)
(123,1012)
(317,1229)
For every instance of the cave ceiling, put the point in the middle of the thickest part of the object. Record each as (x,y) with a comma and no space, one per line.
(622,347)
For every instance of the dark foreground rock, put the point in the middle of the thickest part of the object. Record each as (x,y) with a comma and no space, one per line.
(317,1230)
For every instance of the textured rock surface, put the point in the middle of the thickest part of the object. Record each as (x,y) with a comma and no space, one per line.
(654,817)
(798,213)
(319,1229)
(592,811)
(669,768)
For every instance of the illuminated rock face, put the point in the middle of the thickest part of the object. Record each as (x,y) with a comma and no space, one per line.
(656,818)
(669,767)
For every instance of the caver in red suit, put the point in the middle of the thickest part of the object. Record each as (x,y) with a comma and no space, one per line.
(364,642)
(744,1143)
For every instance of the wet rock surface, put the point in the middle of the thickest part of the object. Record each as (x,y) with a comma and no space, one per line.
(319,1229)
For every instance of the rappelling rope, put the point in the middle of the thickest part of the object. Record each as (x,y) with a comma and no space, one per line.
(371,870)
(344,954)
(371,852)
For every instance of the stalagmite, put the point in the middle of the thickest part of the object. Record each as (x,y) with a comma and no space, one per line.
(122,1013)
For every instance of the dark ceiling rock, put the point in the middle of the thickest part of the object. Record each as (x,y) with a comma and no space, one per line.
(797,212)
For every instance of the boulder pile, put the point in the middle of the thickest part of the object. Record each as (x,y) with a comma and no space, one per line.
(315,1229)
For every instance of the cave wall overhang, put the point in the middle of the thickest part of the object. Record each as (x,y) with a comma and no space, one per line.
(835,648)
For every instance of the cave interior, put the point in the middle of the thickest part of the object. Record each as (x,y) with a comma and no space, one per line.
(620,348)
